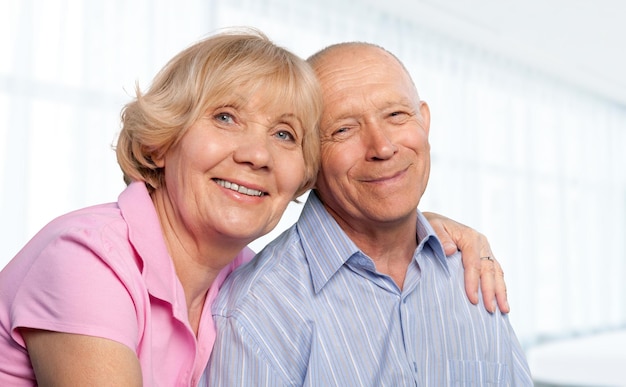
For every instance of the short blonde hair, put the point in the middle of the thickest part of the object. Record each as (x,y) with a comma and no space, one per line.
(203,75)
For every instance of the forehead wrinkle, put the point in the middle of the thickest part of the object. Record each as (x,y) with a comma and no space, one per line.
(372,104)
(264,104)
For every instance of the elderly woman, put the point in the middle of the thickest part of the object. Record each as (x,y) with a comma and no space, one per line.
(120,293)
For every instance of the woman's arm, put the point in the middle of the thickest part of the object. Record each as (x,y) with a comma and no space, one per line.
(474,246)
(63,359)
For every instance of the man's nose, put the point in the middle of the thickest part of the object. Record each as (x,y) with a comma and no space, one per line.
(379,142)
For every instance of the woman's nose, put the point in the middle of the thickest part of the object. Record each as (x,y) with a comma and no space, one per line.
(254,148)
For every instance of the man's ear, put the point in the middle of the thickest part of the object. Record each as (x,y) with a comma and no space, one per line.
(425,113)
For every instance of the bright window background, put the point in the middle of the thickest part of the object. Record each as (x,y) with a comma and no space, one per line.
(534,163)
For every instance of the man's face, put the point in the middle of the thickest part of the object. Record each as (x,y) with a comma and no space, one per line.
(374,131)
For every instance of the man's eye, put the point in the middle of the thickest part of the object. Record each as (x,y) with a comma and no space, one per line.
(399,117)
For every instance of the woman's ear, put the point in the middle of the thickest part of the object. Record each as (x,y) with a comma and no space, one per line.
(157,159)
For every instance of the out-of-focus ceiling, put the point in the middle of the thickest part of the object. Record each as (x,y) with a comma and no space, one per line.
(580,41)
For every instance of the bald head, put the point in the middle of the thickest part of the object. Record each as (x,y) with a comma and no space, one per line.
(323,60)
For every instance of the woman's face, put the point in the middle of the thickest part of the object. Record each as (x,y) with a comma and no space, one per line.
(235,170)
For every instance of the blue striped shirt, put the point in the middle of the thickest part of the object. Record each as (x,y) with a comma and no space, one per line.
(311,310)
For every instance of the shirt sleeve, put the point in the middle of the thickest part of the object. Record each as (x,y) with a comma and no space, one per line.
(69,288)
(520,371)
(236,360)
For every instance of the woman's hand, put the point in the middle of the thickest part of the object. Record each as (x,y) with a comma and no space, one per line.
(478,261)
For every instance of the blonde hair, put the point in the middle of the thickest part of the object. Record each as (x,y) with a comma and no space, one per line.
(204,75)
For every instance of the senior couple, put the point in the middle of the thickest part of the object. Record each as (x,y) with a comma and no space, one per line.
(360,291)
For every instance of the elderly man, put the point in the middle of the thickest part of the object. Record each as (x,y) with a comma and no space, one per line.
(359,291)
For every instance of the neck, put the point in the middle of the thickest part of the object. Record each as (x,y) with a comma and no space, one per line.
(197,260)
(197,265)
(390,246)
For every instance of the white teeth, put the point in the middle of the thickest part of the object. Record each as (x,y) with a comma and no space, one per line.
(239,188)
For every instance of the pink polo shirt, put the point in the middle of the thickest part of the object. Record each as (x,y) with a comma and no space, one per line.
(105,271)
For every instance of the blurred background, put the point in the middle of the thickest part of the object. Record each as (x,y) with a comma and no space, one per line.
(528,130)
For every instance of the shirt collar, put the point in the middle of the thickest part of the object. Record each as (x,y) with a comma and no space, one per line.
(327,247)
(144,233)
(427,238)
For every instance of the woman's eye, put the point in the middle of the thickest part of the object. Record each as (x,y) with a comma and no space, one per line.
(285,135)
(224,117)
